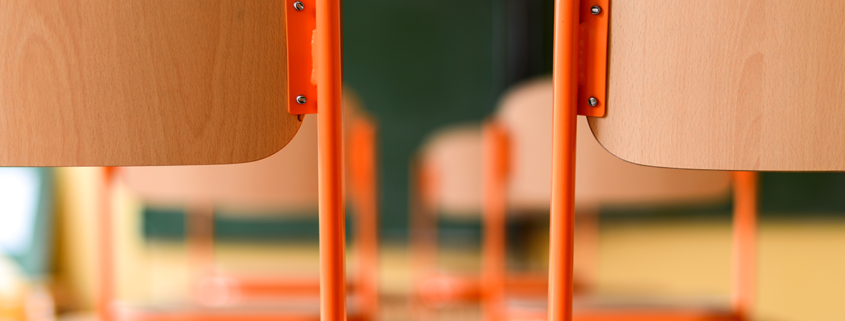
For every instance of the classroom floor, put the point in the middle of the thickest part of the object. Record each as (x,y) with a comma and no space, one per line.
(800,275)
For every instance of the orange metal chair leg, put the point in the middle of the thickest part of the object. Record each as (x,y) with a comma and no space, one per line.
(423,234)
(563,160)
(365,196)
(745,243)
(200,241)
(328,63)
(494,273)
(106,256)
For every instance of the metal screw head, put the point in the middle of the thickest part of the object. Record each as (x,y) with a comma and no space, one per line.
(298,6)
(593,102)
(595,10)
(301,99)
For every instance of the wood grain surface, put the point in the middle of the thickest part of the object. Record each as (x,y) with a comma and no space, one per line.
(285,182)
(142,82)
(727,84)
(600,178)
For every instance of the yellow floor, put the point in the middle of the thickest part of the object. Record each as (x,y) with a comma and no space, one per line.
(800,276)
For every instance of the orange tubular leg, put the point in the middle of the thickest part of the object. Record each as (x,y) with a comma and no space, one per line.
(423,234)
(745,243)
(365,193)
(495,206)
(563,160)
(328,63)
(200,239)
(106,259)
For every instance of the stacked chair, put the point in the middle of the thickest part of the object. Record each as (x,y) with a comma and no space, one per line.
(284,182)
(521,132)
(503,169)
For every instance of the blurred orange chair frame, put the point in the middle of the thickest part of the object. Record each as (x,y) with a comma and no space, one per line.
(278,182)
(449,174)
(516,143)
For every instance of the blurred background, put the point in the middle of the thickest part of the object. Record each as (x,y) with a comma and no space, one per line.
(418,66)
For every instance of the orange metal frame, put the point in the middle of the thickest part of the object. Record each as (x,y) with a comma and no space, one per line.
(106,256)
(592,57)
(329,67)
(745,243)
(364,176)
(744,271)
(300,26)
(363,193)
(565,104)
(424,242)
(494,274)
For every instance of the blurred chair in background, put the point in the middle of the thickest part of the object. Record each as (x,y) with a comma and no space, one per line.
(518,142)
(282,183)
(449,183)
(456,175)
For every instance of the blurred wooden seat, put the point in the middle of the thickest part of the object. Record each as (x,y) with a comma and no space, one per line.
(522,130)
(285,182)
(454,159)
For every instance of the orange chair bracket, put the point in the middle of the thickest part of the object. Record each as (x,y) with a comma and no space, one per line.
(301,23)
(592,57)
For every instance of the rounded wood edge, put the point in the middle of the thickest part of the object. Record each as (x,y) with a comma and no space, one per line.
(288,133)
(591,121)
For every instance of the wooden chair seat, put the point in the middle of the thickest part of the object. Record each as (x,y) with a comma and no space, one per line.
(454,157)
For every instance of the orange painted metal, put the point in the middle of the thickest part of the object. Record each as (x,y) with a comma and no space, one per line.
(106,277)
(494,270)
(329,67)
(447,289)
(300,25)
(592,57)
(631,315)
(200,242)
(745,243)
(561,233)
(423,197)
(264,287)
(363,176)
(440,289)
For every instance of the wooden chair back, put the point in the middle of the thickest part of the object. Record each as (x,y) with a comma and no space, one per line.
(142,82)
(601,178)
(718,85)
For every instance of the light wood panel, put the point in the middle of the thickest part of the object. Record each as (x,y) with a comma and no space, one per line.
(285,182)
(601,179)
(726,84)
(142,82)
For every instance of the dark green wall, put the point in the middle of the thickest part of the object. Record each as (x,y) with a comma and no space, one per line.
(418,65)
(422,64)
